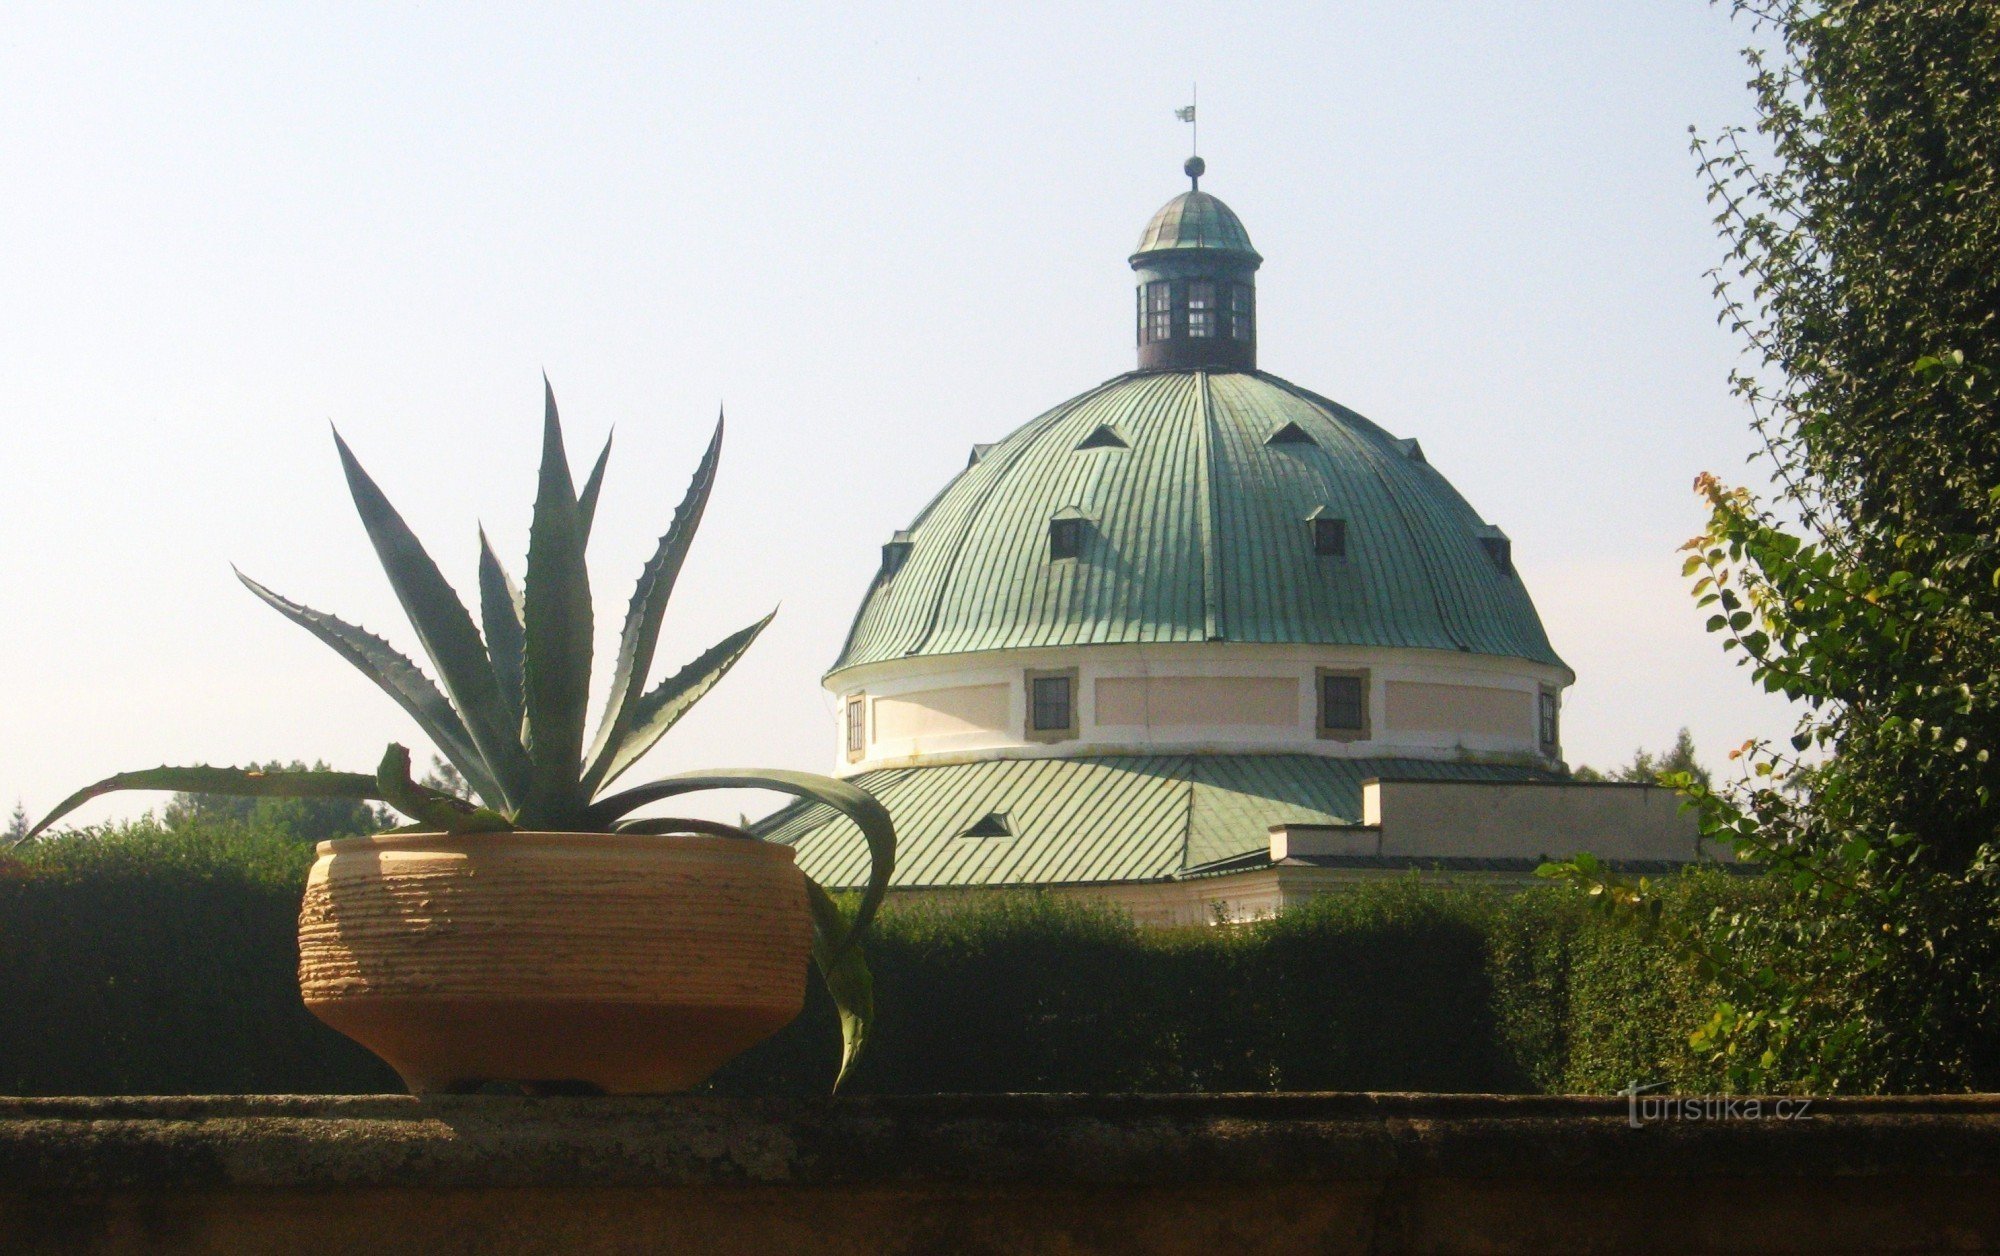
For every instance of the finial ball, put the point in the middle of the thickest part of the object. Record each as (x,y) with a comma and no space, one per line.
(1195,167)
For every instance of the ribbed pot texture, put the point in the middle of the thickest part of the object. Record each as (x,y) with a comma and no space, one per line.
(560,962)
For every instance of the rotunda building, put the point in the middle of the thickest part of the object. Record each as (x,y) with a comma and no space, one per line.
(1203,641)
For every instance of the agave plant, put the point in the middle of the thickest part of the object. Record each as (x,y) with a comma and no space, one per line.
(512,714)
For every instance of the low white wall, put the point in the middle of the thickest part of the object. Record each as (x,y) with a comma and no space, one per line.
(1494,820)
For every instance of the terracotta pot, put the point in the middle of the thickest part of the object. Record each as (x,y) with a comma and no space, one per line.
(558,961)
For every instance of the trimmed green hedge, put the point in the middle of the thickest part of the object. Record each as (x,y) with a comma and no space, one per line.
(140,960)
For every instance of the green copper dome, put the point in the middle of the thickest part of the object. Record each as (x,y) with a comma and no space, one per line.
(1195,220)
(1190,498)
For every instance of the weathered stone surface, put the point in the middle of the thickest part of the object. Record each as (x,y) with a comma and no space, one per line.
(1007,1173)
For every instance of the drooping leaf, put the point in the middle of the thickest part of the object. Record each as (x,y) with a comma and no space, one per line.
(432,808)
(237,782)
(850,800)
(846,974)
(664,705)
(641,634)
(586,501)
(445,629)
(500,615)
(397,676)
(556,621)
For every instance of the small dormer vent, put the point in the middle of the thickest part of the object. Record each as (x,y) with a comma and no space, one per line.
(1105,437)
(1290,434)
(1498,549)
(978,454)
(1066,534)
(1329,534)
(992,824)
(1411,449)
(895,551)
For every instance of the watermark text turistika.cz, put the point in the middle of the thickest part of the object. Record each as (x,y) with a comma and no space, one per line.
(1642,1109)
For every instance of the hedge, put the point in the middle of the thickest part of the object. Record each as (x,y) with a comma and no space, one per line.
(136,959)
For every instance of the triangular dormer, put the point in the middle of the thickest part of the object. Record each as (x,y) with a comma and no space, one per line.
(1105,437)
(1290,434)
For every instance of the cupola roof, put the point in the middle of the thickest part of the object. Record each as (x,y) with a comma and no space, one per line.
(1196,220)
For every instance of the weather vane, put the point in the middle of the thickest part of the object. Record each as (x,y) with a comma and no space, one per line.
(1194,165)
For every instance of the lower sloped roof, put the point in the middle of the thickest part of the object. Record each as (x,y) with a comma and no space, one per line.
(1095,819)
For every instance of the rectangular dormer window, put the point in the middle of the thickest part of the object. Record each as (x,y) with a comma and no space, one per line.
(1550,728)
(1201,310)
(1330,538)
(1159,311)
(1065,538)
(857,727)
(1052,705)
(1239,311)
(1343,704)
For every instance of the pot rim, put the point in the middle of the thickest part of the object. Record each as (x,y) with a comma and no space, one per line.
(703,843)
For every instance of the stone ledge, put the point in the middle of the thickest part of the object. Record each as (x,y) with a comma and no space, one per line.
(1264,1172)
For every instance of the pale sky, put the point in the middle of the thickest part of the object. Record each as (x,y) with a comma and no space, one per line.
(878,234)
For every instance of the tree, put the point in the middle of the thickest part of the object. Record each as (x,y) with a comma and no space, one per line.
(446,778)
(1648,768)
(17,825)
(1864,276)
(308,819)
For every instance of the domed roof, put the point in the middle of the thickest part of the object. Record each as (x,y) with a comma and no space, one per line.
(1195,220)
(1197,527)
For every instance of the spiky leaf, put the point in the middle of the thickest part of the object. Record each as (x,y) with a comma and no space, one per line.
(641,634)
(852,801)
(662,707)
(500,615)
(846,974)
(397,676)
(586,501)
(445,629)
(432,808)
(680,824)
(556,618)
(238,782)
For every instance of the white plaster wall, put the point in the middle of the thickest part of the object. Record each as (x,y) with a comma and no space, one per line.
(1215,697)
(1482,819)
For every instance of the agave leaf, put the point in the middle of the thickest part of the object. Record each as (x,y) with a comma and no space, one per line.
(556,618)
(500,615)
(431,808)
(663,707)
(852,801)
(446,631)
(397,676)
(641,634)
(240,782)
(846,975)
(586,501)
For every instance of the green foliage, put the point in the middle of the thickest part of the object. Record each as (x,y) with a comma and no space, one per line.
(140,958)
(306,819)
(1864,275)
(512,714)
(1646,768)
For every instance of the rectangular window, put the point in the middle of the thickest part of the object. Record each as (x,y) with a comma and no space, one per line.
(1239,311)
(1343,705)
(1159,311)
(1052,705)
(857,727)
(1330,538)
(1548,720)
(1201,310)
(1065,538)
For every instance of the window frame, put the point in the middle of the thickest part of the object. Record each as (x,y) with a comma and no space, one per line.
(1068,675)
(1203,321)
(854,734)
(1548,719)
(1071,526)
(1242,312)
(1326,731)
(1157,311)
